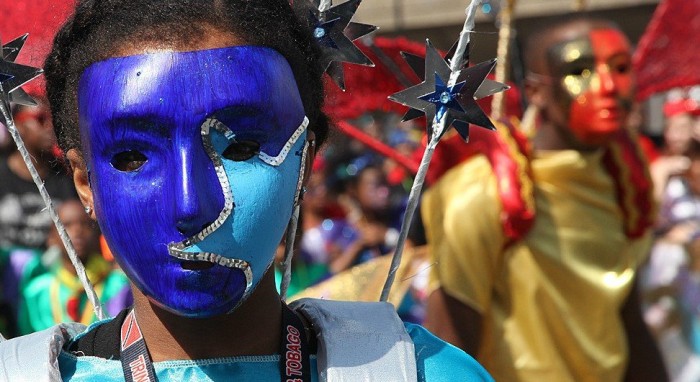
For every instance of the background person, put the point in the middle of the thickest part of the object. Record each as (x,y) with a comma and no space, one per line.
(24,221)
(558,303)
(58,296)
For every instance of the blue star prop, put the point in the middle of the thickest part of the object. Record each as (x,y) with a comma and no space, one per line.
(335,34)
(487,88)
(434,98)
(322,33)
(13,75)
(444,97)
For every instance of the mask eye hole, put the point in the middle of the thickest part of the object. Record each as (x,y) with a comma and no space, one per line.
(622,68)
(580,72)
(128,161)
(241,150)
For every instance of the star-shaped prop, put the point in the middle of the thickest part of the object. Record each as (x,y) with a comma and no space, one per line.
(437,99)
(13,75)
(335,34)
(447,98)
(487,88)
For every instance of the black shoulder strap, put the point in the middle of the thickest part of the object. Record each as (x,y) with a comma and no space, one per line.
(102,341)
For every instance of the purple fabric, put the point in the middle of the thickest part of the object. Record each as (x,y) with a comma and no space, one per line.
(119,301)
(14,274)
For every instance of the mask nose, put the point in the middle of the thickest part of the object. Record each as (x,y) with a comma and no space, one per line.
(607,82)
(199,198)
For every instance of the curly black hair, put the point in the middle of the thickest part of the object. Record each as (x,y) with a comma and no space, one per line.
(98,29)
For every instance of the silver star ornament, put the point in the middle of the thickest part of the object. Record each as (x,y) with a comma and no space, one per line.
(13,75)
(435,98)
(335,34)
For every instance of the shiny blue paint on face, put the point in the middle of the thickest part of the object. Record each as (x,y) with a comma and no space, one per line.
(155,104)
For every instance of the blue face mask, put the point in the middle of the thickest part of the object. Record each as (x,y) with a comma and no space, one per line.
(193,156)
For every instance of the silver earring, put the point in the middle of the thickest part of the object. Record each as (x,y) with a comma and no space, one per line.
(88,210)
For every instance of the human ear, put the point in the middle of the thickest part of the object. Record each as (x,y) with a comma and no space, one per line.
(81,181)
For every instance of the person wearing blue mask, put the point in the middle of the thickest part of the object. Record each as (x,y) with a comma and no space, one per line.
(190,127)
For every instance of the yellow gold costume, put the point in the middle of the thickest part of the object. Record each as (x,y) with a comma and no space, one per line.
(551,301)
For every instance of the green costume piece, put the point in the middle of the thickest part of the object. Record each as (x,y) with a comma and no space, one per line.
(58,296)
(303,276)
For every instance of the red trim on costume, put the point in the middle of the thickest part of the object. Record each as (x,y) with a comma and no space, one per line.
(648,148)
(629,169)
(508,153)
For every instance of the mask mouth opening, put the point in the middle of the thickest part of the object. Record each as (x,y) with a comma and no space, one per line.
(196,265)
(206,260)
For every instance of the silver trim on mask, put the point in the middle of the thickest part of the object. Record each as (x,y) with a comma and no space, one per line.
(277,160)
(177,249)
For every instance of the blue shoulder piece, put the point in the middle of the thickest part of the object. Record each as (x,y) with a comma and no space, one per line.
(438,361)
(34,357)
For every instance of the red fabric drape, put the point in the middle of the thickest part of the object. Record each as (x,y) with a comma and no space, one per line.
(668,54)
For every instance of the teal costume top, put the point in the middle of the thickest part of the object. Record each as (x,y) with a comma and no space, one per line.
(355,341)
(436,361)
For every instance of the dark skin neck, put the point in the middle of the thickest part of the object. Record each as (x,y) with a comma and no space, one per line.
(253,329)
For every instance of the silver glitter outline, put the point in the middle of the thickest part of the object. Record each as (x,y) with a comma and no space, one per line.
(277,160)
(177,249)
(302,168)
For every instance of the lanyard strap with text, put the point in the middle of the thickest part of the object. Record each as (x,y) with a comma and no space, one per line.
(136,363)
(294,363)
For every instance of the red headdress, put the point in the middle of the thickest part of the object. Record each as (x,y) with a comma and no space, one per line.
(667,56)
(368,89)
(41,19)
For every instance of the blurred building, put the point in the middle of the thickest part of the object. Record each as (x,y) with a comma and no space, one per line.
(441,20)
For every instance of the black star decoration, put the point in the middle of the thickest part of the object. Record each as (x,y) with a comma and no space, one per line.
(335,34)
(13,75)
(457,103)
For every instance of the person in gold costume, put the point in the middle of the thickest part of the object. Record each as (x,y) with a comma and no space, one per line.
(553,300)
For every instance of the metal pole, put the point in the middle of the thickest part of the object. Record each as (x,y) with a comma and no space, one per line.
(502,63)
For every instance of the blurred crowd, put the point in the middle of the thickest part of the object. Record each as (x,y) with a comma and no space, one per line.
(351,215)
(671,279)
(39,284)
